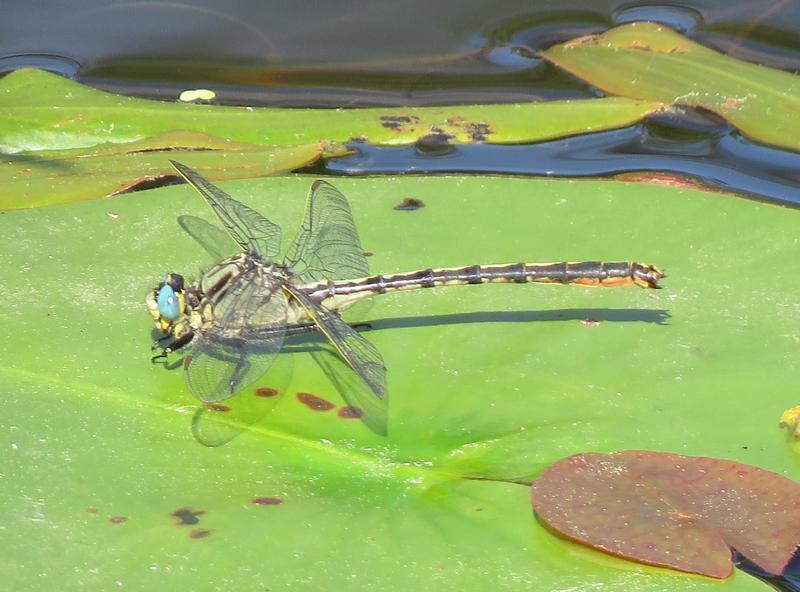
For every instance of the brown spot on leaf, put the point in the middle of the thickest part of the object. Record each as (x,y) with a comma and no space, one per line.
(671,510)
(591,322)
(187,516)
(478,132)
(350,412)
(409,204)
(266,501)
(186,361)
(217,407)
(266,392)
(118,519)
(395,122)
(92,510)
(200,533)
(368,253)
(314,402)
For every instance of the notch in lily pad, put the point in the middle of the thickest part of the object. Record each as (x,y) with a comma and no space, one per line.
(680,512)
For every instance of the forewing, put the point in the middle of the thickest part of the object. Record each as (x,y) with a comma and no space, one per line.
(327,246)
(251,230)
(249,326)
(214,240)
(357,352)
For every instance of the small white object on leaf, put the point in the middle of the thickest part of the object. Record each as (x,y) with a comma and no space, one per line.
(197,94)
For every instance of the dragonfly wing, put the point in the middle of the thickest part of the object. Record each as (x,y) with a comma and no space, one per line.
(354,390)
(251,230)
(217,370)
(247,335)
(327,245)
(215,241)
(212,428)
(358,353)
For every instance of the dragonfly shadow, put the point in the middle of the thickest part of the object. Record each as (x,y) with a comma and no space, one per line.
(376,416)
(588,315)
(217,424)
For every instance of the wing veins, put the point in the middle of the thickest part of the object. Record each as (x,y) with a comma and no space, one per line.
(362,357)
(251,231)
(327,245)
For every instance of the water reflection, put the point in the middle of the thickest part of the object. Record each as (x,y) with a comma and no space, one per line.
(705,149)
(681,18)
(344,52)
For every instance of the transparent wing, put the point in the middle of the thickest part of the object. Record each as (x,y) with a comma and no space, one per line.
(374,411)
(251,230)
(248,331)
(357,352)
(327,245)
(214,240)
(216,425)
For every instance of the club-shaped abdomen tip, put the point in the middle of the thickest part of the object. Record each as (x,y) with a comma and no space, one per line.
(647,276)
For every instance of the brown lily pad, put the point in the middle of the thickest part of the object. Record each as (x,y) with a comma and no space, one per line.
(670,510)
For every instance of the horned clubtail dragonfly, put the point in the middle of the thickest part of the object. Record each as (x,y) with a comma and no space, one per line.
(237,315)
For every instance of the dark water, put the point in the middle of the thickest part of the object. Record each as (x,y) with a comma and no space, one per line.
(717,157)
(413,52)
(351,52)
(788,581)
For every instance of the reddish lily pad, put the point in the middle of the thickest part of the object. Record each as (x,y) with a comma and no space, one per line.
(670,510)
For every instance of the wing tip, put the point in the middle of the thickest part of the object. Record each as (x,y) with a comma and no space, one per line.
(315,186)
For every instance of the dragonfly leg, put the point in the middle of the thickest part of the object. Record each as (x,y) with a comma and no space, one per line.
(174,346)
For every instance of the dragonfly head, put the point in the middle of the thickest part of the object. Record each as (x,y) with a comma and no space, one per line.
(167,302)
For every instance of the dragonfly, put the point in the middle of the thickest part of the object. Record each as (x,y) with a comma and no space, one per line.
(236,317)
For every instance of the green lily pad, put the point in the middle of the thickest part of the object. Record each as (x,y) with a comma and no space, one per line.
(678,511)
(109,481)
(652,62)
(32,179)
(43,111)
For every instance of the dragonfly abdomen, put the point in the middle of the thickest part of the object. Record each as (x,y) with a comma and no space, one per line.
(594,273)
(586,273)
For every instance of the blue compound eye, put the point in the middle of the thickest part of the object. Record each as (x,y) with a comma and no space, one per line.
(168,304)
